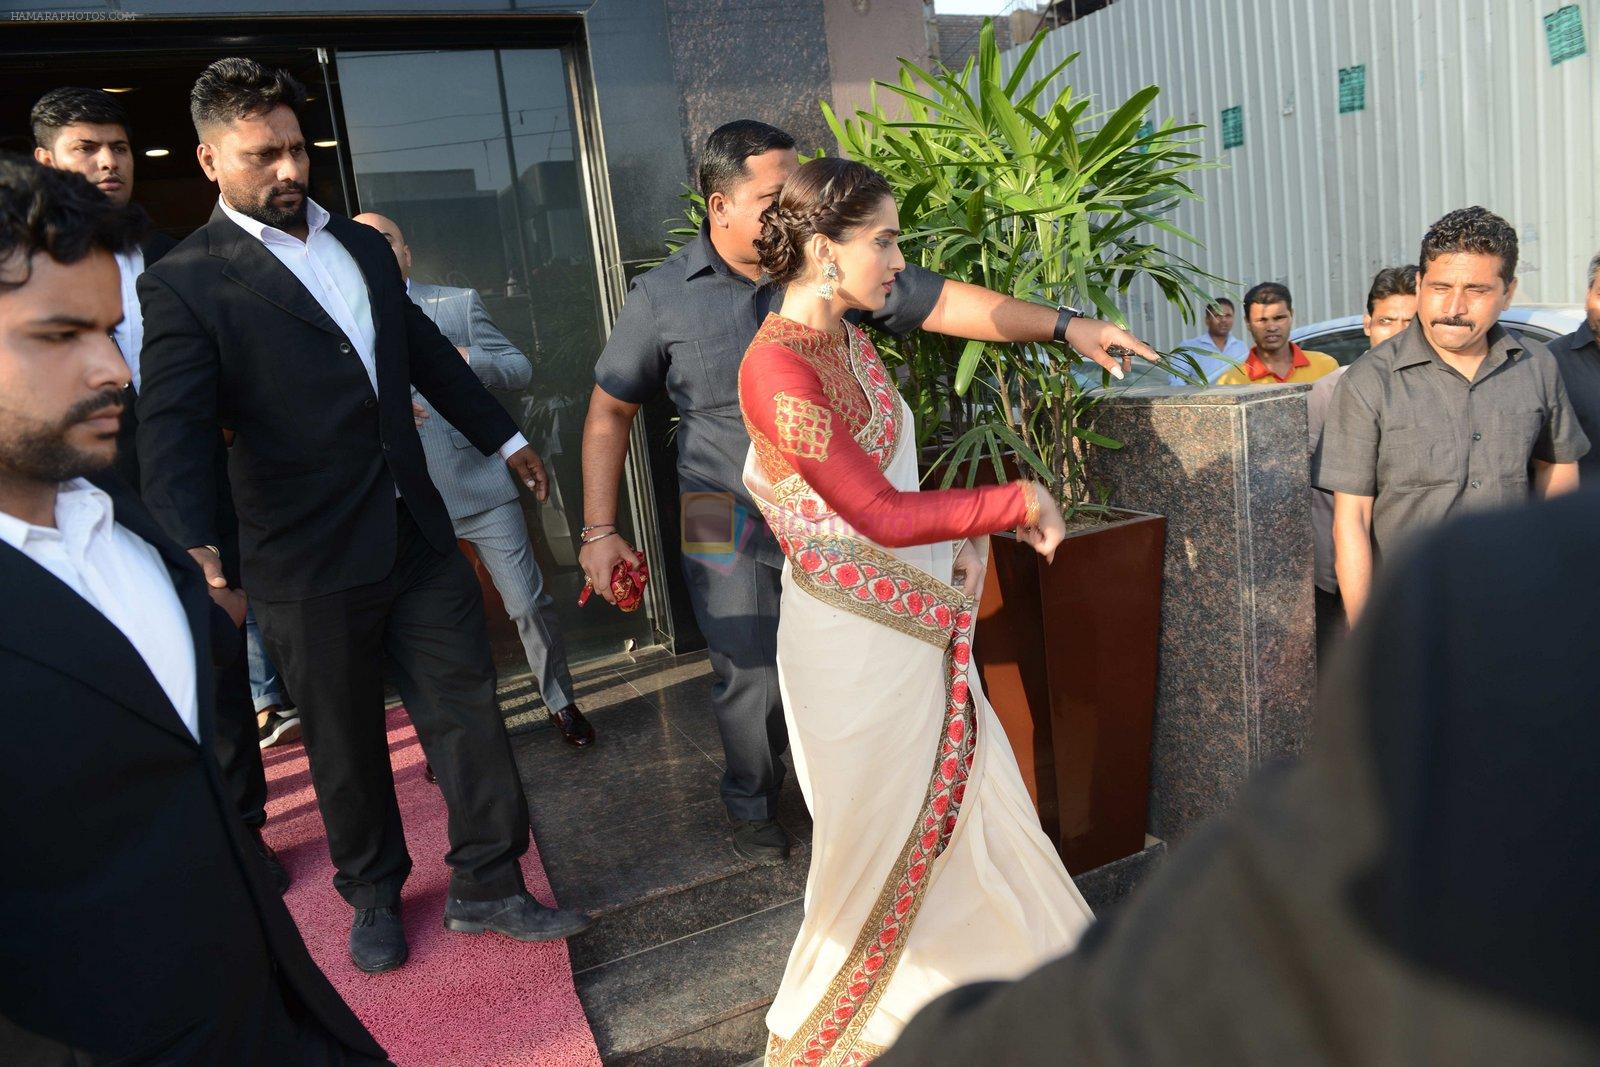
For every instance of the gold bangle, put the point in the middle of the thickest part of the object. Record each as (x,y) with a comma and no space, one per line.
(1030,503)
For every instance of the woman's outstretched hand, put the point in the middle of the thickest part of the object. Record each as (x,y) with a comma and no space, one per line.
(1108,345)
(1047,533)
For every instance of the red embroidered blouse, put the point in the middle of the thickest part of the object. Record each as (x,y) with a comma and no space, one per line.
(803,406)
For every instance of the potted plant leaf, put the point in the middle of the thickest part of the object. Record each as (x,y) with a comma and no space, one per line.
(1052,202)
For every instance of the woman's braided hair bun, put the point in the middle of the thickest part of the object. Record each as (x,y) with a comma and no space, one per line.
(830,196)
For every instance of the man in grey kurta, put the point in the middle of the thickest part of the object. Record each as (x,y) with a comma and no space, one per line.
(1578,356)
(479,492)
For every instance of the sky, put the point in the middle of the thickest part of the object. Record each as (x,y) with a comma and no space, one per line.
(969,7)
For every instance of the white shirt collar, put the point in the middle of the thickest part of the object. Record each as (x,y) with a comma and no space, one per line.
(82,510)
(316,218)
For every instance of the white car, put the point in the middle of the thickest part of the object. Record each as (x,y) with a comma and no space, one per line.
(1343,340)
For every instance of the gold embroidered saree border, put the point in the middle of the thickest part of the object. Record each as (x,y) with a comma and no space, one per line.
(830,1035)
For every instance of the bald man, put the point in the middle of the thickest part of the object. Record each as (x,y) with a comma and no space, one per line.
(479,491)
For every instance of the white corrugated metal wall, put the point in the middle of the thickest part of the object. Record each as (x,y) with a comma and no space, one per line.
(1463,106)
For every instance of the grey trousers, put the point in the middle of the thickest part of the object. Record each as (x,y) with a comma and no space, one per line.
(736,605)
(500,537)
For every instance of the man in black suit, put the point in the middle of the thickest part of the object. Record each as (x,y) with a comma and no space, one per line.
(139,925)
(86,131)
(291,327)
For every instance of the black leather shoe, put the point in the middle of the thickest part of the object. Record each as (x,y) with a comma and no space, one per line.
(520,917)
(377,940)
(573,726)
(276,871)
(762,841)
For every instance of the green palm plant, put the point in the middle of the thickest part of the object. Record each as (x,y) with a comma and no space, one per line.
(1053,203)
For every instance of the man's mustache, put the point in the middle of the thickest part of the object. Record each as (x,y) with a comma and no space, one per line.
(281,190)
(1452,320)
(91,407)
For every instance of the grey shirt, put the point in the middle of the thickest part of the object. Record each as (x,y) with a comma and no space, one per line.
(1406,428)
(1317,401)
(686,325)
(1578,356)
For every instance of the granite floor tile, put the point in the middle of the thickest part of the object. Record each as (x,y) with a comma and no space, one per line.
(688,707)
(643,926)
(653,998)
(638,764)
(729,1043)
(667,849)
(652,677)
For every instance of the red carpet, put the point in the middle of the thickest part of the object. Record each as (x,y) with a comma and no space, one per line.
(460,999)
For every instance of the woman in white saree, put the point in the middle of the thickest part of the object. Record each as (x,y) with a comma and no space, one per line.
(928,867)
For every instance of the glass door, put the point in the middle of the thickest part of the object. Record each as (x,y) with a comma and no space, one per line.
(475,154)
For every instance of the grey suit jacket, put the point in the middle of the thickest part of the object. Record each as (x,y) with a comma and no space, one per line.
(469,481)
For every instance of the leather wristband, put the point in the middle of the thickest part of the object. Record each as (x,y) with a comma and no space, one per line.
(1064,317)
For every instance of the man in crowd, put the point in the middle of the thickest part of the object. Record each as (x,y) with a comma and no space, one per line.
(86,131)
(686,325)
(1450,415)
(1578,356)
(479,491)
(139,924)
(1391,305)
(1216,350)
(291,327)
(1273,359)
(1420,889)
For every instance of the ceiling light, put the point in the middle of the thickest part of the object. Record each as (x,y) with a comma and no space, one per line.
(123,89)
(156,153)
(324,144)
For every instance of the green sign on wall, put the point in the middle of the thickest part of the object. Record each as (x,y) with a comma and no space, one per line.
(1232,127)
(1352,89)
(1563,34)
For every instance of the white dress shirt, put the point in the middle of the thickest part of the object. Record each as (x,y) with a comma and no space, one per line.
(334,279)
(129,334)
(1213,360)
(122,577)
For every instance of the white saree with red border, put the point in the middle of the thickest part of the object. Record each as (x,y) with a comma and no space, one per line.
(929,869)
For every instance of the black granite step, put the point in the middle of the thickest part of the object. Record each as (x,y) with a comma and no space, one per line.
(698,999)
(691,938)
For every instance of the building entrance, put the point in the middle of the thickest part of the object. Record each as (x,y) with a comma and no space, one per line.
(478,155)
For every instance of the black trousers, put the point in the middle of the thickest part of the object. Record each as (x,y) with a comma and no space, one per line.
(736,606)
(237,742)
(1331,624)
(427,616)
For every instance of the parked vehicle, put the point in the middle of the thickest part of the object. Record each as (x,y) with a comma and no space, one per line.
(1343,340)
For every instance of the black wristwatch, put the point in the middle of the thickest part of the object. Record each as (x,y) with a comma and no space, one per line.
(1064,315)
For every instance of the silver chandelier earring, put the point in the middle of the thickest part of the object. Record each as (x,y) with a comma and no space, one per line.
(831,274)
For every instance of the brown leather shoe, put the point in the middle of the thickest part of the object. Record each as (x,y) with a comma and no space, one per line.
(573,726)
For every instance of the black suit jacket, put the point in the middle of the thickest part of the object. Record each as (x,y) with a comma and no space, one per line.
(154,247)
(135,918)
(231,336)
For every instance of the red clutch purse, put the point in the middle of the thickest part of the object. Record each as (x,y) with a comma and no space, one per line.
(627,584)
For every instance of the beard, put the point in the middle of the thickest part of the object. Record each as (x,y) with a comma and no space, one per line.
(268,212)
(40,450)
